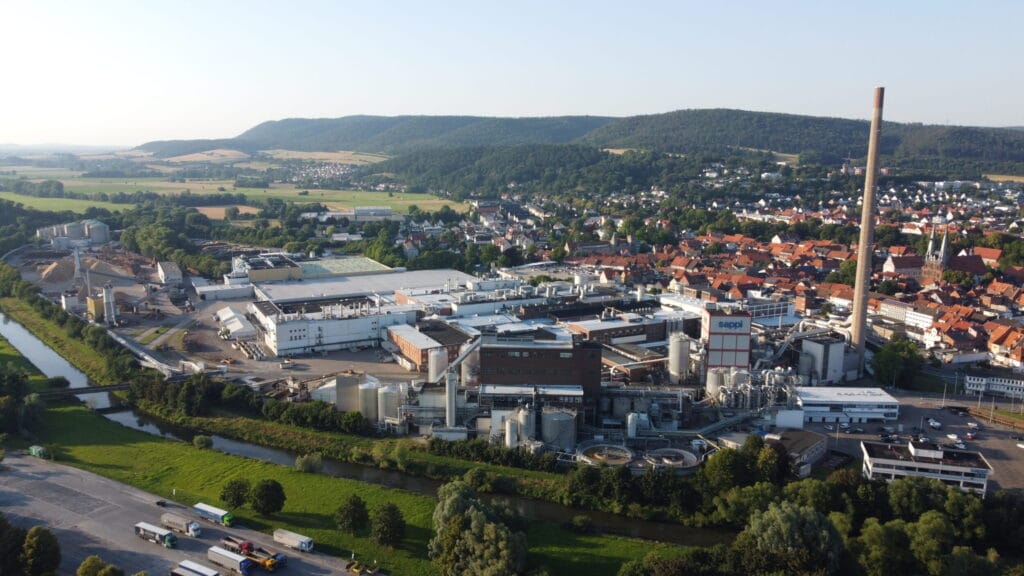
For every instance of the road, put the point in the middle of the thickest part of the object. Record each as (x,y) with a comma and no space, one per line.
(91,514)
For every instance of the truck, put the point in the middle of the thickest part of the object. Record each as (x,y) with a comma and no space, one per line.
(181,524)
(293,540)
(191,568)
(156,534)
(215,515)
(230,560)
(262,557)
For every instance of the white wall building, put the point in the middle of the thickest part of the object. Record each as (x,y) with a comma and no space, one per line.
(827,354)
(963,469)
(826,404)
(1003,383)
(169,273)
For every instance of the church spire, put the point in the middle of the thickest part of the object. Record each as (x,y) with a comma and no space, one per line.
(931,244)
(942,251)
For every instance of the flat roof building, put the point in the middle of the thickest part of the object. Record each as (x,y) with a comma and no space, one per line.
(842,404)
(963,469)
(363,285)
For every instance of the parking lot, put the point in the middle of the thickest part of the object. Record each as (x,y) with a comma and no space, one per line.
(996,443)
(90,514)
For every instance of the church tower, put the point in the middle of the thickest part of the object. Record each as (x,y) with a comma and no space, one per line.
(935,262)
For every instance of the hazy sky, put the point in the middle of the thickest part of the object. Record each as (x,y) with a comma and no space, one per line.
(105,72)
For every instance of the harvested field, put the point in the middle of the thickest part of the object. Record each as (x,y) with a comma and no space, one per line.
(217,212)
(341,156)
(218,155)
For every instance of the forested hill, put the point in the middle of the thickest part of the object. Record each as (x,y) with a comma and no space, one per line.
(391,134)
(684,131)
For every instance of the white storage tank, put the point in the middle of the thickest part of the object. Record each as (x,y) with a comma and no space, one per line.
(470,366)
(368,400)
(558,428)
(678,357)
(511,431)
(527,422)
(632,423)
(437,363)
(388,400)
(716,381)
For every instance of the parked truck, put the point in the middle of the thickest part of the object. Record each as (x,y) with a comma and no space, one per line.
(181,524)
(190,568)
(262,557)
(215,515)
(293,540)
(156,534)
(230,560)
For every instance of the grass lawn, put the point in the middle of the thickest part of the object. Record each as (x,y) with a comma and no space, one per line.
(162,466)
(153,334)
(9,356)
(1014,415)
(74,351)
(926,383)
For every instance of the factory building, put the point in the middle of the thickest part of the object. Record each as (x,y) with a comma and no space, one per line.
(169,273)
(964,469)
(726,337)
(265,268)
(998,383)
(414,343)
(294,329)
(847,404)
(826,359)
(627,328)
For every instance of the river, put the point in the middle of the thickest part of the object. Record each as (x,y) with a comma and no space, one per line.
(52,364)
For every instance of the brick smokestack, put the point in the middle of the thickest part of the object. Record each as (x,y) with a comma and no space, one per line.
(867,236)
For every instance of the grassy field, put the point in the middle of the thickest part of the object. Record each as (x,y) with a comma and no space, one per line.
(75,351)
(59,204)
(9,356)
(163,466)
(342,156)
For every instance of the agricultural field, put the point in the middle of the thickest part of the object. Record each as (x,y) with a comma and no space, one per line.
(341,156)
(59,204)
(220,156)
(1004,177)
(335,199)
(218,212)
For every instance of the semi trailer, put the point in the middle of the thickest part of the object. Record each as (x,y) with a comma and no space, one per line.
(293,540)
(215,515)
(181,524)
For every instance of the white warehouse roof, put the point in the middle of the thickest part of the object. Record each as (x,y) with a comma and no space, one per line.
(843,395)
(365,285)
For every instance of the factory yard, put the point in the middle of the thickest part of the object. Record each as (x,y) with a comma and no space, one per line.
(996,443)
(90,514)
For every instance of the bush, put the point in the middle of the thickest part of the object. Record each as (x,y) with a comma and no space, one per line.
(311,463)
(581,524)
(202,442)
(235,493)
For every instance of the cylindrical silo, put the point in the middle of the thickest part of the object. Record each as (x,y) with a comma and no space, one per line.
(437,363)
(527,422)
(678,357)
(387,402)
(511,431)
(632,422)
(470,366)
(716,381)
(558,428)
(368,400)
(74,230)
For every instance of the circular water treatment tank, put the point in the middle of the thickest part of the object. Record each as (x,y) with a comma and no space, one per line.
(606,454)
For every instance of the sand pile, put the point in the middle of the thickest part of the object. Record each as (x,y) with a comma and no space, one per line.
(61,270)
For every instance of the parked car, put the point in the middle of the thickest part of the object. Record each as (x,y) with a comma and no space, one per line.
(829,427)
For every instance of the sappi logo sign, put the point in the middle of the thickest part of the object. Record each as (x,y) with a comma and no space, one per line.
(730,324)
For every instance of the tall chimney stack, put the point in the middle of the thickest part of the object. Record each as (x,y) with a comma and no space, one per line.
(867,236)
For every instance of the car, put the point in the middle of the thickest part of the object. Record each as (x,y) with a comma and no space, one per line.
(1020,445)
(844,425)
(161,503)
(953,437)
(971,436)
(958,445)
(829,427)
(858,430)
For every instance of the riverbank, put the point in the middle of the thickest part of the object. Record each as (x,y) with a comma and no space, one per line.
(9,356)
(74,351)
(183,473)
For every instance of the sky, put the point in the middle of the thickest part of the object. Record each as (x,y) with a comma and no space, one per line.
(121,73)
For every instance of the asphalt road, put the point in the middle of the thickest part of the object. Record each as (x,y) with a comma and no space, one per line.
(91,514)
(995,442)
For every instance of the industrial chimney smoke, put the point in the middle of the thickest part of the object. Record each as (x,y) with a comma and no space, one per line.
(867,236)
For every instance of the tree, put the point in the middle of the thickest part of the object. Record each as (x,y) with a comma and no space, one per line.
(202,442)
(267,497)
(912,496)
(40,554)
(897,362)
(11,540)
(236,492)
(91,566)
(111,570)
(471,538)
(388,525)
(931,539)
(884,548)
(846,274)
(790,539)
(959,277)
(352,515)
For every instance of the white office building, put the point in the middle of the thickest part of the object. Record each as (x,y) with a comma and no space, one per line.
(963,469)
(842,404)
(1002,383)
